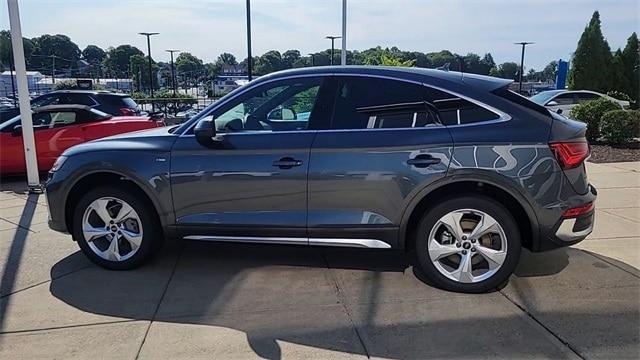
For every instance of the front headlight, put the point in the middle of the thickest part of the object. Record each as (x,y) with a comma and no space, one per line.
(58,164)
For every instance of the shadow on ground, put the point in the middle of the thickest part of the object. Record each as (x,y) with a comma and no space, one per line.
(362,302)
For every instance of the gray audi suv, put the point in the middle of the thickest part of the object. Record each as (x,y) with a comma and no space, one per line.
(453,168)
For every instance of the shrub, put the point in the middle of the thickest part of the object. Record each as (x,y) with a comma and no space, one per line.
(619,95)
(591,112)
(620,126)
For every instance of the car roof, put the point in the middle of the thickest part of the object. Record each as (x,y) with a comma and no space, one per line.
(89,92)
(61,108)
(487,83)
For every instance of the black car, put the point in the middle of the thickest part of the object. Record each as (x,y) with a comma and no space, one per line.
(108,102)
(451,167)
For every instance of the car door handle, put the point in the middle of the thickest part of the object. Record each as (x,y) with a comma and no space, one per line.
(287,163)
(423,161)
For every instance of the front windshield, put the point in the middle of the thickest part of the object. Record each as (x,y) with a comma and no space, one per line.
(543,97)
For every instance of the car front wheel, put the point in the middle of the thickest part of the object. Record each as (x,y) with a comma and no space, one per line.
(115,228)
(468,244)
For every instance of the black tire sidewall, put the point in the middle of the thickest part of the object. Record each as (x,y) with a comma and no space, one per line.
(477,202)
(151,238)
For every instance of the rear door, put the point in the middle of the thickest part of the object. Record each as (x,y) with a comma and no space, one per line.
(382,145)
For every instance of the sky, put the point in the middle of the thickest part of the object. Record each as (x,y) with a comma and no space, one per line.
(208,28)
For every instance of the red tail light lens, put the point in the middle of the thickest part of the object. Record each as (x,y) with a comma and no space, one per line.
(127,112)
(578,210)
(570,154)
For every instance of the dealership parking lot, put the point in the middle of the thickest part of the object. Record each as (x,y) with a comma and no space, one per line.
(206,300)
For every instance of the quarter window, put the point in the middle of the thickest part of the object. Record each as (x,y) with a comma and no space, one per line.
(456,111)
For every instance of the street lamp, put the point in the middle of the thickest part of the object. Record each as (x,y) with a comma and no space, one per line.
(249,58)
(332,38)
(148,35)
(523,44)
(173,72)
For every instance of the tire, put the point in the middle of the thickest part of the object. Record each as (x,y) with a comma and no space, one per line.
(443,262)
(143,232)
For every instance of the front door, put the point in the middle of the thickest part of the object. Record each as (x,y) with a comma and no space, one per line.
(253,183)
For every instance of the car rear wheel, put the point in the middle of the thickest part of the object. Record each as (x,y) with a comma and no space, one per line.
(116,228)
(468,244)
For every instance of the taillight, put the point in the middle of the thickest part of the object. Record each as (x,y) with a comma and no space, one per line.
(127,112)
(570,154)
(578,210)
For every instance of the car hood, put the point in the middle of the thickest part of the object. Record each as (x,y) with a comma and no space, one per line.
(156,139)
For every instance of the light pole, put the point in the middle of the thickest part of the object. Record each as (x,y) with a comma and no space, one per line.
(148,35)
(173,72)
(343,55)
(523,44)
(249,58)
(332,38)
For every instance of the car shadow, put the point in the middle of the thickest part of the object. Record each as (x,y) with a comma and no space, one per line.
(362,302)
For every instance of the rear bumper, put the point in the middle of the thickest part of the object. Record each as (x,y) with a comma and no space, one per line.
(570,231)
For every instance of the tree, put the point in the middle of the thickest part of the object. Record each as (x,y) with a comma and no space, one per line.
(65,51)
(117,61)
(631,68)
(591,64)
(139,65)
(289,58)
(269,62)
(508,70)
(93,54)
(185,62)
(6,53)
(389,60)
(487,63)
(227,59)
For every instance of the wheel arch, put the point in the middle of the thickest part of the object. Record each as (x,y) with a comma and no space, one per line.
(105,177)
(517,204)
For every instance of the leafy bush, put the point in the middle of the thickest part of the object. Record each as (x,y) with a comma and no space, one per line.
(591,112)
(619,95)
(620,126)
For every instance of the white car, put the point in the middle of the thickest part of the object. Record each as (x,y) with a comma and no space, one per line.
(562,101)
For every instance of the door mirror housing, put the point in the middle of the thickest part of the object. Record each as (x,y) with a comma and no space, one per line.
(16,131)
(559,111)
(205,131)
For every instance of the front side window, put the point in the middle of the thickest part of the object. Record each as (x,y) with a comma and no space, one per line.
(45,100)
(279,106)
(374,103)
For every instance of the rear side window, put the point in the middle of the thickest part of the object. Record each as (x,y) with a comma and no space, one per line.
(564,99)
(582,97)
(81,99)
(120,101)
(373,103)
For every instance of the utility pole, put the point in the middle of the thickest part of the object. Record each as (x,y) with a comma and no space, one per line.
(343,55)
(523,44)
(173,72)
(148,35)
(53,69)
(28,139)
(332,38)
(13,85)
(249,58)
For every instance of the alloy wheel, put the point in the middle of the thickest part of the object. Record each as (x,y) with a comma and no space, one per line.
(467,245)
(112,229)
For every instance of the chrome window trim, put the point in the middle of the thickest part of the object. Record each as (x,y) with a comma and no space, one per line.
(502,116)
(340,242)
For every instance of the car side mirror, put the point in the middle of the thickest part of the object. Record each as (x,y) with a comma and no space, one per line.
(552,103)
(16,131)
(205,132)
(559,111)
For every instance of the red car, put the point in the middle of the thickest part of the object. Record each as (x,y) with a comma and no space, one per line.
(58,127)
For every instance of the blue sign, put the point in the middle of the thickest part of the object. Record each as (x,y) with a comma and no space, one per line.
(561,77)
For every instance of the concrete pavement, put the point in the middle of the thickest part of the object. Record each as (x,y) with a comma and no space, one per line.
(204,300)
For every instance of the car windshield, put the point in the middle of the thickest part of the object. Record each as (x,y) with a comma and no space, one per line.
(543,97)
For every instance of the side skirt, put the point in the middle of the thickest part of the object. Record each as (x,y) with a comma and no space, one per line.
(362,243)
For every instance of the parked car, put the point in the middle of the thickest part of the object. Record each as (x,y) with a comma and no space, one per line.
(115,104)
(456,169)
(58,127)
(562,101)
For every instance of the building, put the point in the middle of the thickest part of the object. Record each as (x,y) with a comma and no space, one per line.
(45,85)
(230,78)
(33,77)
